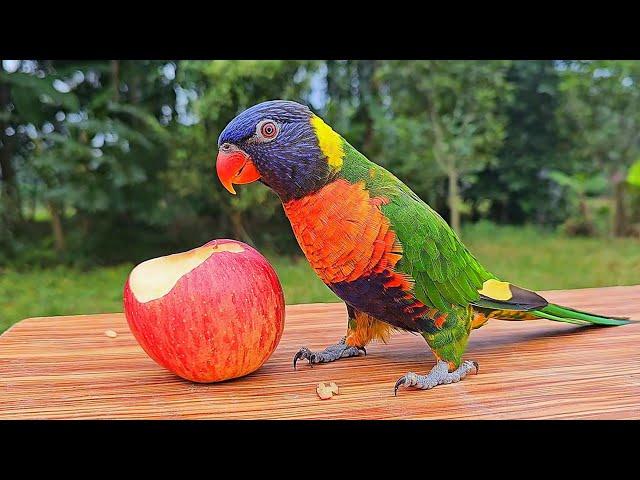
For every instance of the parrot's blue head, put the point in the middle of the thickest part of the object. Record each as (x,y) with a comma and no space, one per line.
(282,144)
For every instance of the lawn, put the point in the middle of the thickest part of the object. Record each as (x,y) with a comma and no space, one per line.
(534,258)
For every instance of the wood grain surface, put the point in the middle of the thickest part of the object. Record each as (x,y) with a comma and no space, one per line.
(66,367)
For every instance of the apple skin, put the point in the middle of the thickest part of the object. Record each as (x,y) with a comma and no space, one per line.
(221,320)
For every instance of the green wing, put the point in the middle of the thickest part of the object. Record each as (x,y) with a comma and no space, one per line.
(444,271)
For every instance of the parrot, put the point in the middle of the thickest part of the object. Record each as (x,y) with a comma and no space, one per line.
(392,259)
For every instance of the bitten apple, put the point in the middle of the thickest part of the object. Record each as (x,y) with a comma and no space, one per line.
(210,314)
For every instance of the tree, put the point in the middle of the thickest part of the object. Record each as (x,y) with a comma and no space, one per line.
(28,100)
(88,139)
(114,160)
(451,110)
(601,110)
(580,187)
(516,187)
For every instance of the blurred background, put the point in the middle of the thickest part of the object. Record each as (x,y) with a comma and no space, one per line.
(104,164)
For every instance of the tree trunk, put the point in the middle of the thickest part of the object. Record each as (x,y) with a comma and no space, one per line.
(8,188)
(454,200)
(11,211)
(115,79)
(135,89)
(584,208)
(9,194)
(34,204)
(620,224)
(367,144)
(59,241)
(332,88)
(85,224)
(447,163)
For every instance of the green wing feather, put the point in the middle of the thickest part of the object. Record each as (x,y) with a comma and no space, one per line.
(445,273)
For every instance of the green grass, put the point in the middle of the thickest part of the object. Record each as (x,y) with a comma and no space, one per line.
(528,256)
(546,260)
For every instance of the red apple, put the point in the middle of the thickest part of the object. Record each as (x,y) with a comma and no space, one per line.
(210,314)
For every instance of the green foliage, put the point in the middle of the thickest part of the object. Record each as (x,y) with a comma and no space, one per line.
(446,113)
(601,101)
(514,188)
(633,177)
(113,161)
(580,186)
(599,116)
(633,190)
(35,97)
(580,183)
(88,140)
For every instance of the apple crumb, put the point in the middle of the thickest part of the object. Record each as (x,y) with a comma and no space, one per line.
(110,333)
(326,391)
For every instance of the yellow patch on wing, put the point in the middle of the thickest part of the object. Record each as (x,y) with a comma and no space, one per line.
(496,290)
(330,142)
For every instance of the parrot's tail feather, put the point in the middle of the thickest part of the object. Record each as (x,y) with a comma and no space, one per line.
(559,313)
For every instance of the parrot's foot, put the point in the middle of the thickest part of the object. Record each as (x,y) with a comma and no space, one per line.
(329,354)
(438,375)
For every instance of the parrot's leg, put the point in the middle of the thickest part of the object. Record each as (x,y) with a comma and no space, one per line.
(361,330)
(448,344)
(439,375)
(329,354)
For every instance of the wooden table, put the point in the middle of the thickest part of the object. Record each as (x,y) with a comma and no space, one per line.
(66,367)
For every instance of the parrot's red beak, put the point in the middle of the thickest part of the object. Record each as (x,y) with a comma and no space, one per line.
(235,166)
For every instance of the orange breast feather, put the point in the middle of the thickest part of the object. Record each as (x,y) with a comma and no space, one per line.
(344,235)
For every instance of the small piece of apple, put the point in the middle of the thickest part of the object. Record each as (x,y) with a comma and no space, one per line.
(326,391)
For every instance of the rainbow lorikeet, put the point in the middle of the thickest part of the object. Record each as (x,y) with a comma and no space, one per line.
(391,258)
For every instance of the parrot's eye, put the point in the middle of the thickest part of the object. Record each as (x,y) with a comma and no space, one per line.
(267,130)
